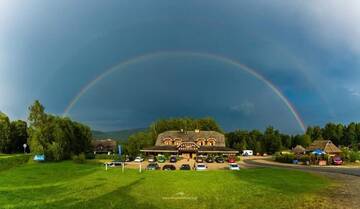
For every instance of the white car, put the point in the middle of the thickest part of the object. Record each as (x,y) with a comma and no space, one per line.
(201,167)
(139,159)
(234,167)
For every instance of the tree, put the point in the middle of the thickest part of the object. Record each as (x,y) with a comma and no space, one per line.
(333,132)
(303,140)
(5,131)
(315,132)
(138,141)
(272,140)
(19,135)
(57,137)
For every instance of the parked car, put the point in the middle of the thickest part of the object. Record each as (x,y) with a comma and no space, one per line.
(114,163)
(161,159)
(153,166)
(185,167)
(139,159)
(234,167)
(201,167)
(199,160)
(128,158)
(151,159)
(219,160)
(337,161)
(247,153)
(173,159)
(169,167)
(231,160)
(209,160)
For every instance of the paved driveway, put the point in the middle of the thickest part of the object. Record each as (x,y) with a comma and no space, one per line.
(263,162)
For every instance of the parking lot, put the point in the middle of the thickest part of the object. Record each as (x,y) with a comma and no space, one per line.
(191,162)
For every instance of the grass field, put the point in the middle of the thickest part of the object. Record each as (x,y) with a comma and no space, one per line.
(69,185)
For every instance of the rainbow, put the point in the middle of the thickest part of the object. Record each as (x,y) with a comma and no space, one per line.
(123,65)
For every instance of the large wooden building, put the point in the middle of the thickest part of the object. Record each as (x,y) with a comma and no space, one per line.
(103,146)
(189,144)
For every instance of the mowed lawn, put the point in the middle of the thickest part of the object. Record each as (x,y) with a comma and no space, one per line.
(70,185)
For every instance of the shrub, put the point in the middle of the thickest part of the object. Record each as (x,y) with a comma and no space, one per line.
(89,155)
(305,158)
(79,158)
(353,156)
(107,157)
(284,158)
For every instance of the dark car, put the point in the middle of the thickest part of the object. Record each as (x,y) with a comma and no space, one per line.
(209,160)
(173,159)
(153,166)
(169,167)
(128,158)
(185,167)
(199,160)
(220,160)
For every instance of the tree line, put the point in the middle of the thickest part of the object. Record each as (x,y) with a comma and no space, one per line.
(272,140)
(269,141)
(13,134)
(58,138)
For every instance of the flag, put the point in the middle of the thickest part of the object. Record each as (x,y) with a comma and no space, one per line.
(119,148)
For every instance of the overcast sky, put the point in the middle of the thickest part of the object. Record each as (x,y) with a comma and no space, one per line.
(309,50)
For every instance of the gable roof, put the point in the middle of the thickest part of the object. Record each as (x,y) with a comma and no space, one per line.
(191,136)
(298,149)
(325,145)
(106,143)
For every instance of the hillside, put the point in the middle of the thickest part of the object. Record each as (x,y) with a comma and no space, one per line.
(117,135)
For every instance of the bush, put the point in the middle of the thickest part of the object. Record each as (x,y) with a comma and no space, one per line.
(353,156)
(81,158)
(107,157)
(89,155)
(305,158)
(350,155)
(284,158)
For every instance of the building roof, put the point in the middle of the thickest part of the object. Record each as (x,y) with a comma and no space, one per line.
(104,142)
(298,149)
(160,149)
(216,149)
(325,145)
(192,136)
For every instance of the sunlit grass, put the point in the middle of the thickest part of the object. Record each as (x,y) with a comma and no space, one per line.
(69,185)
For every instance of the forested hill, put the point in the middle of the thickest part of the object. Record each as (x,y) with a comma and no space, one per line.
(122,135)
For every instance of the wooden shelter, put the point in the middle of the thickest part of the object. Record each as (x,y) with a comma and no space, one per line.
(325,145)
(298,150)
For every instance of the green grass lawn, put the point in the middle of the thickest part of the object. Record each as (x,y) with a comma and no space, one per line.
(70,185)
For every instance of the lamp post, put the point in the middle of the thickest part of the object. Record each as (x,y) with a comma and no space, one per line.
(24,145)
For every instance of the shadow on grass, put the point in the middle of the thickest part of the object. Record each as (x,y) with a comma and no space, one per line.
(118,198)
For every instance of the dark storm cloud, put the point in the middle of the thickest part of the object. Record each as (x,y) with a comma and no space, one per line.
(50,50)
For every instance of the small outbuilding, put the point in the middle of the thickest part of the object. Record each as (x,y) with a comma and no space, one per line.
(299,150)
(324,145)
